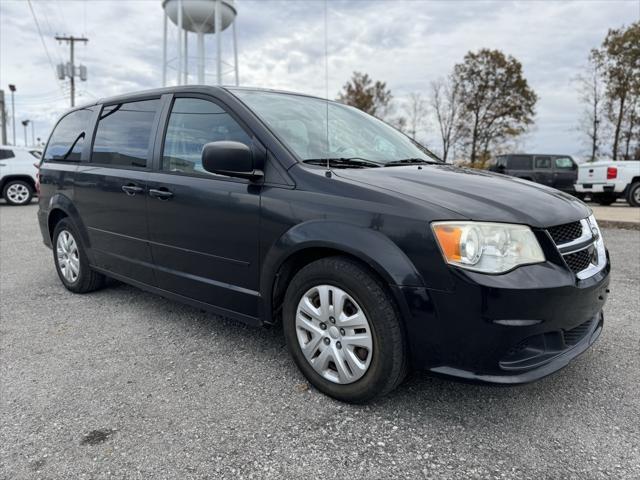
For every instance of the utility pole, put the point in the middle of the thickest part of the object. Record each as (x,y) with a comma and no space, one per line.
(13,111)
(3,118)
(71,68)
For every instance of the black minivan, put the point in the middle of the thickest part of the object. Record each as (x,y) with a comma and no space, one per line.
(271,207)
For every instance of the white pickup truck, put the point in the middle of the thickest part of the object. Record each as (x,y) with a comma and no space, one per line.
(607,180)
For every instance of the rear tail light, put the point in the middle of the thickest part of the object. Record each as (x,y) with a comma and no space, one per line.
(612,172)
(37,165)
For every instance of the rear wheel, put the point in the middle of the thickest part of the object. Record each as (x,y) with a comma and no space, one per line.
(604,199)
(343,330)
(71,260)
(633,197)
(17,192)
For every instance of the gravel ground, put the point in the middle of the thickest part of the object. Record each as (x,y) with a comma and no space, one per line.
(124,384)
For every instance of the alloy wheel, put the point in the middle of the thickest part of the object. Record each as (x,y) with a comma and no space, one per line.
(334,334)
(68,256)
(17,193)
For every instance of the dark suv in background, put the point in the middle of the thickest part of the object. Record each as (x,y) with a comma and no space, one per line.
(376,257)
(557,171)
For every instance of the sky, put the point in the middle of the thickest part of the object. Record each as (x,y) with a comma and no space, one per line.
(281,44)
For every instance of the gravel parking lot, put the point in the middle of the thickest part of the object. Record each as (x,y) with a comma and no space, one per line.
(124,384)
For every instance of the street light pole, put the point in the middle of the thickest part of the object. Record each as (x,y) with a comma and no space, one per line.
(33,133)
(12,88)
(24,124)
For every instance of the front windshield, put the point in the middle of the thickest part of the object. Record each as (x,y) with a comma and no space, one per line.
(301,122)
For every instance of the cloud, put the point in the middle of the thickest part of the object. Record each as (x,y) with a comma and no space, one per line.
(282,45)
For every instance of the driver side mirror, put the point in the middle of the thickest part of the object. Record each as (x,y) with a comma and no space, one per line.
(232,159)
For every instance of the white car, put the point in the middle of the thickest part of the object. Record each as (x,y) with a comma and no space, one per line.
(607,180)
(18,173)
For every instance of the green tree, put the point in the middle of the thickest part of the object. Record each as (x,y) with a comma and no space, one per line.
(497,102)
(362,92)
(620,52)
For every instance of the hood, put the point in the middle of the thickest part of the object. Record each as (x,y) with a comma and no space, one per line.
(475,194)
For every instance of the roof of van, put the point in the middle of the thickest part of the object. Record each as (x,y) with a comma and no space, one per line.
(185,88)
(182,89)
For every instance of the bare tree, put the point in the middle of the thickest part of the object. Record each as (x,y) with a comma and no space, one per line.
(446,105)
(416,110)
(592,91)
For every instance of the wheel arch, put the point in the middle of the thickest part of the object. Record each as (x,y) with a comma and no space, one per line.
(61,206)
(313,240)
(23,177)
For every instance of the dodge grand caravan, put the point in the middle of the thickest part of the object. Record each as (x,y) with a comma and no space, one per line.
(376,257)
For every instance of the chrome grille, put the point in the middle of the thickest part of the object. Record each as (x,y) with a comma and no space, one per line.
(581,246)
(565,233)
(578,261)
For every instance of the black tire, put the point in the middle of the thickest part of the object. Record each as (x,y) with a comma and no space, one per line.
(12,199)
(388,364)
(87,279)
(633,195)
(579,195)
(604,200)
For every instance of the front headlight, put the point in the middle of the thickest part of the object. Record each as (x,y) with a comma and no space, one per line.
(487,247)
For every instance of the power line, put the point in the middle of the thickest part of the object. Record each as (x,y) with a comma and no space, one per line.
(44,44)
(50,32)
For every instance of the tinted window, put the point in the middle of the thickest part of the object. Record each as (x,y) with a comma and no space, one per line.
(68,138)
(192,124)
(564,163)
(520,162)
(543,162)
(124,131)
(4,154)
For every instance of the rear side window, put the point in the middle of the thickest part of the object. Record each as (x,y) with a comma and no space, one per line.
(543,162)
(4,154)
(68,138)
(192,124)
(123,137)
(520,162)
(564,163)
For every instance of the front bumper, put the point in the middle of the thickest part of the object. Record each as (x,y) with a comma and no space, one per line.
(511,328)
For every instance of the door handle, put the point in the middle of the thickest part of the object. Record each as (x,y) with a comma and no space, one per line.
(132,189)
(3,164)
(161,193)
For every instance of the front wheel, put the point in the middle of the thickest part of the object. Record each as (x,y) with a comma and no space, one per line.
(634,195)
(343,330)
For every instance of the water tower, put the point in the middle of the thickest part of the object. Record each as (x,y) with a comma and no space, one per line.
(200,17)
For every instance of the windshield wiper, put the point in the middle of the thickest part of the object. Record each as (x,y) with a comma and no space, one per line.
(344,162)
(411,161)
